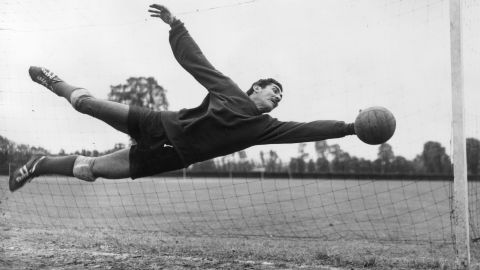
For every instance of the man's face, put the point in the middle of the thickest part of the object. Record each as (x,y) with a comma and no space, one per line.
(268,97)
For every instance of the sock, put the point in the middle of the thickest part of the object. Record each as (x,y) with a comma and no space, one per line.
(64,89)
(56,165)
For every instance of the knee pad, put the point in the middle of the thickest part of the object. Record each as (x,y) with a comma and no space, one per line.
(82,168)
(77,96)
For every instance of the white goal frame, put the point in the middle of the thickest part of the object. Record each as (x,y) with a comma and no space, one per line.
(460,195)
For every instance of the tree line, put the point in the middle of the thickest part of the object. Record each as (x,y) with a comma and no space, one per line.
(332,159)
(328,159)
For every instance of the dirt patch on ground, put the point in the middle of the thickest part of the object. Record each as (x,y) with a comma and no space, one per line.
(42,249)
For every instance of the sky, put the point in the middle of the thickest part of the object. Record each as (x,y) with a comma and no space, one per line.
(333,57)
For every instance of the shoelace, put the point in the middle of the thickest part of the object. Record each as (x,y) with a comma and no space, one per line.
(48,73)
(44,81)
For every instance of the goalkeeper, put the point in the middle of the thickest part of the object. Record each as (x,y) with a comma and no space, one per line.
(227,120)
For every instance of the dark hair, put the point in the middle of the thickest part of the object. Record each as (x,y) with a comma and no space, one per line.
(262,83)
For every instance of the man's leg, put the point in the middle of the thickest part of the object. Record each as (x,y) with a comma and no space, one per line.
(115,165)
(112,166)
(113,113)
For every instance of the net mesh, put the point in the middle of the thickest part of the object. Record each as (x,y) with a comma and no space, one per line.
(330,209)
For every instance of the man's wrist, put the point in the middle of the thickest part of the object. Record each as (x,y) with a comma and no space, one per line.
(350,129)
(172,21)
(175,23)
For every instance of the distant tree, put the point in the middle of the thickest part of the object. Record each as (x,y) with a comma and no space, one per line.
(116,147)
(273,162)
(334,150)
(322,165)
(86,153)
(224,164)
(377,166)
(242,154)
(418,164)
(341,163)
(385,157)
(262,158)
(401,165)
(140,91)
(341,159)
(243,165)
(296,165)
(235,162)
(321,148)
(353,165)
(301,150)
(473,155)
(302,158)
(364,166)
(311,166)
(435,159)
(6,150)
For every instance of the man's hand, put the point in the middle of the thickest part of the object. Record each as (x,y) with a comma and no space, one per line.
(161,12)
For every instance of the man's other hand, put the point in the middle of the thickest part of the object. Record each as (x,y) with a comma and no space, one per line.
(161,12)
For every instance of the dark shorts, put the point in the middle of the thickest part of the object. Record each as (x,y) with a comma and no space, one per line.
(153,153)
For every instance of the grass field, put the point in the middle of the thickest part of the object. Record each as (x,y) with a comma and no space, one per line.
(230,223)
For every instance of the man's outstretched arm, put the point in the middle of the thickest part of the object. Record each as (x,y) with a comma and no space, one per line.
(278,132)
(189,55)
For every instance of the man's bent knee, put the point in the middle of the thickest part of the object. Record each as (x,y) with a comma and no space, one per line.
(83,168)
(78,99)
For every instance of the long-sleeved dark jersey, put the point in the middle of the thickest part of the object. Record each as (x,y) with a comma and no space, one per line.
(227,120)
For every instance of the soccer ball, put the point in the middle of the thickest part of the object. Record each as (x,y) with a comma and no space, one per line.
(375,125)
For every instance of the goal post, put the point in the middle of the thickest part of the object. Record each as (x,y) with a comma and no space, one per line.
(460,209)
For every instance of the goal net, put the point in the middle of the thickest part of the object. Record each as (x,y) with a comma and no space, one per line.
(333,58)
